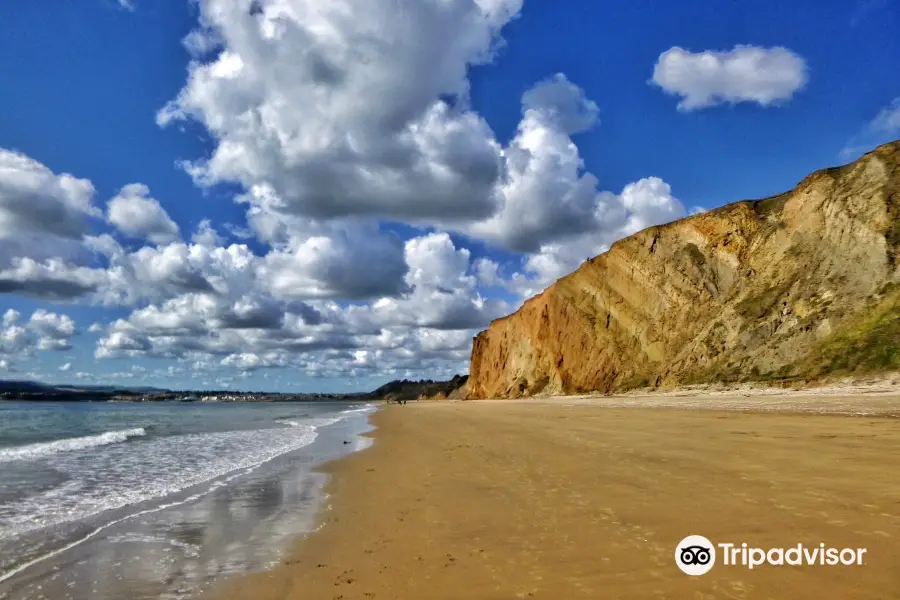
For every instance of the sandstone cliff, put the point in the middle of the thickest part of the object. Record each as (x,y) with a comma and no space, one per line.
(801,284)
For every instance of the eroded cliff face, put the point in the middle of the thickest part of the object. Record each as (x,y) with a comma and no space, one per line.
(748,289)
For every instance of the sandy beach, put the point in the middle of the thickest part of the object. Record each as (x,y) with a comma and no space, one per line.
(589,499)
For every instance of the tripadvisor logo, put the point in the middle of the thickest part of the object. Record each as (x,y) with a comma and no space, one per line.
(696,555)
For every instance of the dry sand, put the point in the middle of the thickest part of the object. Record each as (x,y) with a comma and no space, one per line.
(586,499)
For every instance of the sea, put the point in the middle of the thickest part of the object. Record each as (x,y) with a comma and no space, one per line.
(102,500)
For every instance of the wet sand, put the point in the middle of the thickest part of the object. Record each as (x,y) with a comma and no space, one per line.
(585,499)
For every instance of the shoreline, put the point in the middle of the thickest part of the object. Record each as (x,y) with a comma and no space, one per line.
(560,499)
(246,585)
(175,545)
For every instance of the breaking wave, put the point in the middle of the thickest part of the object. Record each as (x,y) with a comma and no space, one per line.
(33,451)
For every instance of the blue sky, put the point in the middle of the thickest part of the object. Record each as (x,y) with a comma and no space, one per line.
(301,195)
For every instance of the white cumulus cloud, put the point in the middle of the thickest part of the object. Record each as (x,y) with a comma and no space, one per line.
(43,214)
(249,325)
(43,331)
(33,199)
(545,195)
(135,213)
(765,76)
(349,107)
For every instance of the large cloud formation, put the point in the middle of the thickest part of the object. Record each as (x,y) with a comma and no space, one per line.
(340,124)
(321,115)
(348,107)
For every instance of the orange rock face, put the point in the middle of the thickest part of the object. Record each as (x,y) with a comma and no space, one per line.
(746,290)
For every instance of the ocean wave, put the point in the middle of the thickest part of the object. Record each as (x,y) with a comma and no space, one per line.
(39,450)
(315,423)
(294,416)
(308,424)
(365,408)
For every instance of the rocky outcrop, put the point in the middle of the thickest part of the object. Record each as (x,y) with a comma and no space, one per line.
(751,290)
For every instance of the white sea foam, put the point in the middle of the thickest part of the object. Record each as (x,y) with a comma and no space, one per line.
(292,423)
(326,421)
(122,474)
(40,450)
(364,409)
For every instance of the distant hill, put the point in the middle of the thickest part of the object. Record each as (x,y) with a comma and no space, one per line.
(25,386)
(109,388)
(30,388)
(404,389)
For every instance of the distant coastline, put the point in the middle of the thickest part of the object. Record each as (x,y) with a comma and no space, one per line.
(29,391)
